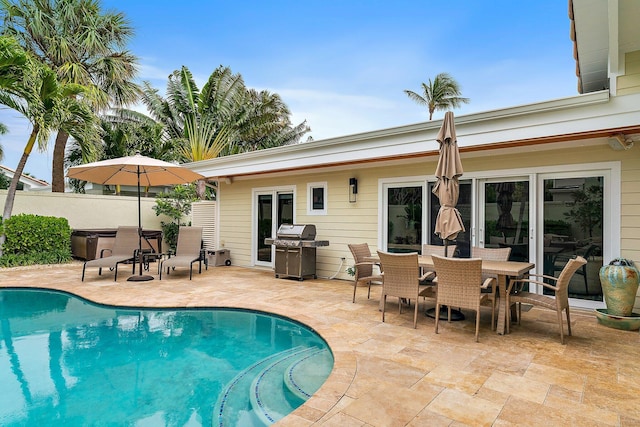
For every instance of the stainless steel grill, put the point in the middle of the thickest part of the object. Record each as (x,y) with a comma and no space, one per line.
(296,250)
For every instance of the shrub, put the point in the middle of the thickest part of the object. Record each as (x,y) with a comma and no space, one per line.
(34,239)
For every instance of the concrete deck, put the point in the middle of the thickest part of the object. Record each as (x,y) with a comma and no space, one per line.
(389,374)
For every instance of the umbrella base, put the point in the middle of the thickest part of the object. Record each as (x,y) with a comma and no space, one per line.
(455,314)
(141,278)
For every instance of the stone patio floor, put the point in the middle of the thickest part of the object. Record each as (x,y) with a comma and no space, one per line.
(389,374)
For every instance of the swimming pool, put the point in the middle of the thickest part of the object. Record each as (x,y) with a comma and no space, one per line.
(65,361)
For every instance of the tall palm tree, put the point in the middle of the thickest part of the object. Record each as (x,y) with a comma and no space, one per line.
(49,105)
(443,93)
(12,62)
(83,44)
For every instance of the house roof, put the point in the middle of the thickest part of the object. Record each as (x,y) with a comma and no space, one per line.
(592,117)
(602,32)
(25,179)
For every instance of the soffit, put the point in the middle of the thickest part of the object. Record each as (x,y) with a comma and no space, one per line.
(602,31)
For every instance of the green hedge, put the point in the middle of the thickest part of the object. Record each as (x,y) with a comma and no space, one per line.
(34,239)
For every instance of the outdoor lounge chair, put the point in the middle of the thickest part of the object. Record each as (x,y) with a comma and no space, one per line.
(124,247)
(188,251)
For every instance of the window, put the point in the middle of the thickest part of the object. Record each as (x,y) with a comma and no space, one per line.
(317,198)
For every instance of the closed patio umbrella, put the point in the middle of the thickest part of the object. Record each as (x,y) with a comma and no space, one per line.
(134,170)
(449,169)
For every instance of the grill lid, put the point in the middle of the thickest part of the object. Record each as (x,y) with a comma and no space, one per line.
(297,231)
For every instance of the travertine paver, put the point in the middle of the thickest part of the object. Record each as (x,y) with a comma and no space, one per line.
(390,374)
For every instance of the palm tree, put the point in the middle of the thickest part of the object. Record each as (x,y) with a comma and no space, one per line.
(82,44)
(12,62)
(49,105)
(224,118)
(443,93)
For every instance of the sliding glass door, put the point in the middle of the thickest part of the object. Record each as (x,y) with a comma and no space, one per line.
(273,208)
(573,222)
(504,216)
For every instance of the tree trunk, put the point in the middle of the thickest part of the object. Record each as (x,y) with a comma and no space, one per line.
(57,170)
(11,192)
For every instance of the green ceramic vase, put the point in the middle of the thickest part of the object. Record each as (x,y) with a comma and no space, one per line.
(619,282)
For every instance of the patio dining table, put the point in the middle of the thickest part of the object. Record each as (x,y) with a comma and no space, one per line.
(502,270)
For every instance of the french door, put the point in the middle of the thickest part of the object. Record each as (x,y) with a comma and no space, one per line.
(504,216)
(272,208)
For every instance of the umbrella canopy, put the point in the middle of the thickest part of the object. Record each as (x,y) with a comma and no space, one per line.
(126,170)
(449,222)
(134,170)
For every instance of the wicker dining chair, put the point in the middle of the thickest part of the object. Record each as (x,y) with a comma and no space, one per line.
(401,279)
(460,284)
(493,254)
(517,295)
(364,269)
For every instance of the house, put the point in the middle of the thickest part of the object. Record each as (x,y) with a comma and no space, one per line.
(551,179)
(27,183)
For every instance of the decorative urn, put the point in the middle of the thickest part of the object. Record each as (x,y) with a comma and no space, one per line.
(619,282)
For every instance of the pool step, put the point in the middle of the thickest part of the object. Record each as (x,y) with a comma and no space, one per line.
(270,398)
(304,376)
(233,406)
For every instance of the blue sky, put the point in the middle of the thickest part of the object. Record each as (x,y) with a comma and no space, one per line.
(342,65)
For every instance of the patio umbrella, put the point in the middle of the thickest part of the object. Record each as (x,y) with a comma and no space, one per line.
(505,202)
(449,169)
(134,170)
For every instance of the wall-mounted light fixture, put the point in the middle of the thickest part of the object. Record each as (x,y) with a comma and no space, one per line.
(620,142)
(353,189)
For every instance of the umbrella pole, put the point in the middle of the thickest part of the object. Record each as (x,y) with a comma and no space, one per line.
(140,277)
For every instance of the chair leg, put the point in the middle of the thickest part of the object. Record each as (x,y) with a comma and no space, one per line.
(415,316)
(568,322)
(437,316)
(493,314)
(384,304)
(115,274)
(369,291)
(83,267)
(355,285)
(477,323)
(561,327)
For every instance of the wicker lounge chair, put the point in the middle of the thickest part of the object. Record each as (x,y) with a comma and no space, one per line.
(517,295)
(493,254)
(124,247)
(460,284)
(188,251)
(364,269)
(401,279)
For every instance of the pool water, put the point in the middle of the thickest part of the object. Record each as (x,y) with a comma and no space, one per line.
(65,361)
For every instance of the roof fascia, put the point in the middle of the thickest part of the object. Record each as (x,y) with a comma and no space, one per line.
(565,116)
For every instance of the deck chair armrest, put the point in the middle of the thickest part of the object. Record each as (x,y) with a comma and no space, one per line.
(105,249)
(518,283)
(428,275)
(357,264)
(489,281)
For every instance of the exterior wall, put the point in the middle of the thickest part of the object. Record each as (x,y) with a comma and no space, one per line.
(358,222)
(630,82)
(87,211)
